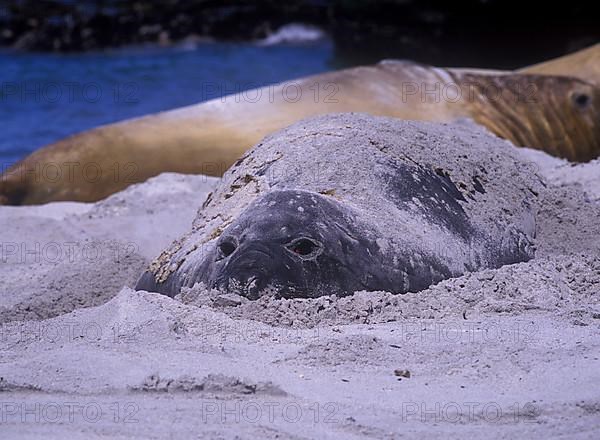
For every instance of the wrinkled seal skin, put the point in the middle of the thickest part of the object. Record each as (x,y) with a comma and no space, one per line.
(207,138)
(295,241)
(559,113)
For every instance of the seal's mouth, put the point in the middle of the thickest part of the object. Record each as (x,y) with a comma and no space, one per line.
(252,287)
(251,283)
(249,287)
(247,270)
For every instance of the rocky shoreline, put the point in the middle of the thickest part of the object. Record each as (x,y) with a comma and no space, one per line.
(67,26)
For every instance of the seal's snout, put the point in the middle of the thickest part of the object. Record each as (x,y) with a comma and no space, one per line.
(253,255)
(247,267)
(12,190)
(248,285)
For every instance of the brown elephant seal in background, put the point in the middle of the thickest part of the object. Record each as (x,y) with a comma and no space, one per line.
(556,114)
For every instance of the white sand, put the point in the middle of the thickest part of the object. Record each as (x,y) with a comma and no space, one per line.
(506,353)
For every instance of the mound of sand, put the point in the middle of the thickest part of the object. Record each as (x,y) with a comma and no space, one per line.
(63,256)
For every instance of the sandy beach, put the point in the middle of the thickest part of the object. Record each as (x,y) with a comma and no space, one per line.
(512,352)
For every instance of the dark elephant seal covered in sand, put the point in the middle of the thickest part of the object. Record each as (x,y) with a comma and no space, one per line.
(351,202)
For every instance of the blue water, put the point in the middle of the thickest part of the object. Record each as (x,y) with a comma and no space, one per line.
(45,97)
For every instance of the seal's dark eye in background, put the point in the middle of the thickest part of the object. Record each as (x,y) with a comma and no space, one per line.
(304,247)
(227,247)
(581,100)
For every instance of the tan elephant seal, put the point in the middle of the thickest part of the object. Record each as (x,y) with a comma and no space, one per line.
(556,114)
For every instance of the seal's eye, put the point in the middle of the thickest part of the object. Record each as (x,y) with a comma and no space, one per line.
(227,247)
(581,100)
(304,247)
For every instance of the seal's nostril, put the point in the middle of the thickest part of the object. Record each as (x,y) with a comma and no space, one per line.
(227,248)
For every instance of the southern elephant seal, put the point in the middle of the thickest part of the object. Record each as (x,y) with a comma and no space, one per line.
(556,114)
(349,202)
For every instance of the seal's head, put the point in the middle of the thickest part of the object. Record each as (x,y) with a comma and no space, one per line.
(560,115)
(13,186)
(292,243)
(296,244)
